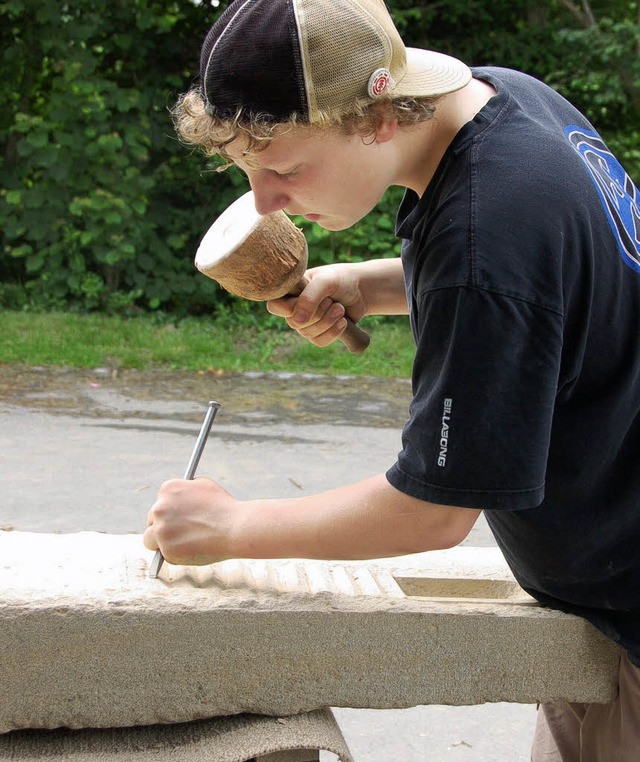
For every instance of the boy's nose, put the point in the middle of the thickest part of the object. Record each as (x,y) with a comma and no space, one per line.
(268,197)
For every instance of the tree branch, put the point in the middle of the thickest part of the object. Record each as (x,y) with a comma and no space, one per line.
(584,15)
(589,13)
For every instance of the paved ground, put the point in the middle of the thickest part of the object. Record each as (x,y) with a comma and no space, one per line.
(87,451)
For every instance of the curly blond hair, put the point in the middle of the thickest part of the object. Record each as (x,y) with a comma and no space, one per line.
(197,128)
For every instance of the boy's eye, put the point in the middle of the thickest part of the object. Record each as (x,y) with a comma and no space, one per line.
(286,175)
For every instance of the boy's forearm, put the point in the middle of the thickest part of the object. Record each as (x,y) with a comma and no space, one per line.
(369,519)
(382,284)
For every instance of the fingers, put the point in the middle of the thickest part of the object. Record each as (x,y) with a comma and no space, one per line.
(189,522)
(322,283)
(149,539)
(321,324)
(319,313)
(325,326)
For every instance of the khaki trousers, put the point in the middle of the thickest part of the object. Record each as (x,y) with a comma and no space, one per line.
(567,732)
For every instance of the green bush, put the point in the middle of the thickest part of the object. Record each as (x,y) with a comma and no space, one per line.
(101,207)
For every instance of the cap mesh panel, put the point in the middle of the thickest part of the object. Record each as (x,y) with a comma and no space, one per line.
(343,47)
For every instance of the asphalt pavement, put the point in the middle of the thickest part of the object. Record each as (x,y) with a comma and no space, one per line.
(87,450)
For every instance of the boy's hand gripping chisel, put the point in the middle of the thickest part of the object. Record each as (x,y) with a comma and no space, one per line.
(212,409)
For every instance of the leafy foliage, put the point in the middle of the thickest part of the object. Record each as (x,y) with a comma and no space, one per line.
(101,207)
(99,201)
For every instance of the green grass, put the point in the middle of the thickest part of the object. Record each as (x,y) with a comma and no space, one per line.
(97,340)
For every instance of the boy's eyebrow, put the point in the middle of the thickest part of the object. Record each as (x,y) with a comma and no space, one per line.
(281,167)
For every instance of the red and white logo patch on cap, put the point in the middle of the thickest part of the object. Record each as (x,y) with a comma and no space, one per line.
(379,83)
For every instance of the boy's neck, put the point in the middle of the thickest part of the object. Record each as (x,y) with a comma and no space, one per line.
(424,146)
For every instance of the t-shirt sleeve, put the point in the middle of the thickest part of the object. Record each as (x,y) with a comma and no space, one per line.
(484,384)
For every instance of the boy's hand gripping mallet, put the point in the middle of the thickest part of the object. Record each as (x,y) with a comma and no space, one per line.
(260,258)
(212,409)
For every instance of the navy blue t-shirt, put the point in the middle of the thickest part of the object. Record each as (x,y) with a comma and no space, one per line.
(522,268)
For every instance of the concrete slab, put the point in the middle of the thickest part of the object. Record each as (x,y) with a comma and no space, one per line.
(108,647)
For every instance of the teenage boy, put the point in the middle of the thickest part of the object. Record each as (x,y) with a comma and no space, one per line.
(520,272)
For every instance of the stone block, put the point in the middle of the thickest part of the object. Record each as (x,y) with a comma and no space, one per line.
(88,640)
(241,738)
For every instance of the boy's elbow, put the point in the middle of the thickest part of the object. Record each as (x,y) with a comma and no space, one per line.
(428,526)
(446,527)
(458,523)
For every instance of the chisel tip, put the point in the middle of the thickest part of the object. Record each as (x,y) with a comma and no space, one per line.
(156,565)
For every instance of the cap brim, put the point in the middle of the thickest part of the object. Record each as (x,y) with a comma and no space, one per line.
(429,73)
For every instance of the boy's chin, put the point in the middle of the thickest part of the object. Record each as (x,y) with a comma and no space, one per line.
(334,224)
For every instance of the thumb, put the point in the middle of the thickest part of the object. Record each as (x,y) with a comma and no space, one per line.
(282,307)
(311,298)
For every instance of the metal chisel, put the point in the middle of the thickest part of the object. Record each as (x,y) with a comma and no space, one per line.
(212,409)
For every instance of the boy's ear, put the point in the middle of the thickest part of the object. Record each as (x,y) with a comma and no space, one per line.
(387,130)
(384,125)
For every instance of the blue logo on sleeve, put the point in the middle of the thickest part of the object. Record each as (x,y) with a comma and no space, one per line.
(620,197)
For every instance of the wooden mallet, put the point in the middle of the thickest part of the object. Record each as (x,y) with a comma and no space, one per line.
(260,258)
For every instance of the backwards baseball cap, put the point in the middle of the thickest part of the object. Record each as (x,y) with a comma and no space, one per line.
(278,58)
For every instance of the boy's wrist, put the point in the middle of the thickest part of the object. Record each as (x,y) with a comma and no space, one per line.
(246,531)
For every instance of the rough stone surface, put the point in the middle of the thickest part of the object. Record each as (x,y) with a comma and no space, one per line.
(87,640)
(241,738)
